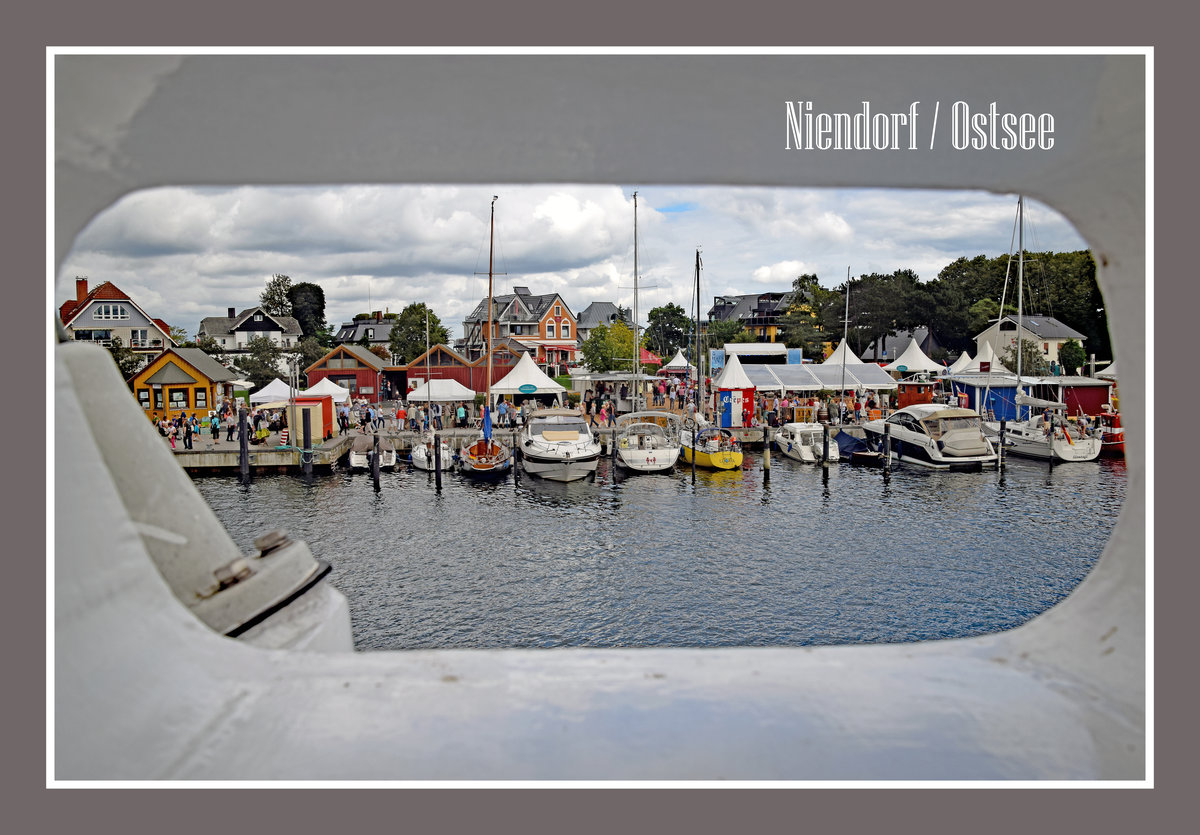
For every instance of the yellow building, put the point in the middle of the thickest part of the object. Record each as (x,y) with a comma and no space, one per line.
(181,380)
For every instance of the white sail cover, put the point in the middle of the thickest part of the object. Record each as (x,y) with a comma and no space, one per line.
(328,388)
(526,374)
(275,390)
(843,354)
(914,360)
(733,376)
(442,391)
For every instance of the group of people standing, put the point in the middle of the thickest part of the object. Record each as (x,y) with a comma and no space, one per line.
(184,428)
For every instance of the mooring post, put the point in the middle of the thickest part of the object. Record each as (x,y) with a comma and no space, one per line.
(306,453)
(887,447)
(243,446)
(437,462)
(766,453)
(825,445)
(375,460)
(1000,446)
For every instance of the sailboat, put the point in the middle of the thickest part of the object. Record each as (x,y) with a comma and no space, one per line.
(645,441)
(1048,436)
(487,458)
(425,456)
(700,443)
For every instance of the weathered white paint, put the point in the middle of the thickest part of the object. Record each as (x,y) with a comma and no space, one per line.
(144,690)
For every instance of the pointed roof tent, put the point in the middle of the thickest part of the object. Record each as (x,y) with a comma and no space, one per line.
(964,359)
(678,362)
(441,391)
(526,373)
(1109,373)
(913,360)
(277,389)
(326,387)
(986,354)
(733,376)
(843,354)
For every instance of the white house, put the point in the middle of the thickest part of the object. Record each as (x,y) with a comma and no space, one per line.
(1046,332)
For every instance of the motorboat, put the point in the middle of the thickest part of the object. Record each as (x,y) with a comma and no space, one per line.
(556,444)
(805,442)
(1112,434)
(425,456)
(647,442)
(934,435)
(363,447)
(711,447)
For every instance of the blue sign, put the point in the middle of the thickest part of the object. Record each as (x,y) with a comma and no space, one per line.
(528,388)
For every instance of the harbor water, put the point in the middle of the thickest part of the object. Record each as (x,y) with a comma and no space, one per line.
(811,556)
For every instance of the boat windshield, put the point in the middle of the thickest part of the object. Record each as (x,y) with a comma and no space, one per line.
(940,426)
(556,424)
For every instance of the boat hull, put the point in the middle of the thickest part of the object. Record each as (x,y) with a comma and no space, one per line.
(923,452)
(648,460)
(1029,440)
(805,443)
(485,461)
(559,468)
(362,460)
(423,458)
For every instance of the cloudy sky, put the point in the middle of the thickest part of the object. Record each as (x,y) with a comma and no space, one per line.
(186,253)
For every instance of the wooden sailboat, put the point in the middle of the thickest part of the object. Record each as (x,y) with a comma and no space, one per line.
(487,458)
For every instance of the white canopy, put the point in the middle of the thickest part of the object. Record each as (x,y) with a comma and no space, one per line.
(327,388)
(440,390)
(733,376)
(964,359)
(275,390)
(678,362)
(842,354)
(986,354)
(526,374)
(913,360)
(1109,373)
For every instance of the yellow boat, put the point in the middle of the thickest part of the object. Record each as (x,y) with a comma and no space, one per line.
(715,449)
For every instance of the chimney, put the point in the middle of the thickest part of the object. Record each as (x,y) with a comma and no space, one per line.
(80,288)
(233,313)
(378,315)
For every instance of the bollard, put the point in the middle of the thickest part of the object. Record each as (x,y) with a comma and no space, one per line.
(516,466)
(1000,447)
(375,461)
(243,447)
(437,462)
(306,454)
(766,454)
(825,445)
(887,447)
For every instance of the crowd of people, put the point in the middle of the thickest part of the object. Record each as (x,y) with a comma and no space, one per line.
(184,429)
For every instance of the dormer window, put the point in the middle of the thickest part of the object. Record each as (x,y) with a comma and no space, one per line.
(257,317)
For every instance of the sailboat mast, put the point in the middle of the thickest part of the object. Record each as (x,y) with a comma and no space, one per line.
(845,341)
(697,395)
(487,399)
(637,342)
(1020,288)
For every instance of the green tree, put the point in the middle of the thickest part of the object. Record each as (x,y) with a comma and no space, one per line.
(178,335)
(128,363)
(307,302)
(260,364)
(598,351)
(406,341)
(668,330)
(717,334)
(274,299)
(1032,361)
(310,350)
(1071,357)
(210,346)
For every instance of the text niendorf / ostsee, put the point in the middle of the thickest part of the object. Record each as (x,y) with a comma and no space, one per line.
(986,128)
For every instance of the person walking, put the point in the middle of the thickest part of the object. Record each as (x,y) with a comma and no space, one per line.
(187,434)
(215,425)
(230,423)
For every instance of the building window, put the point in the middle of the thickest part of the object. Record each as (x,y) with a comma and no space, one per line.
(1046,348)
(177,398)
(138,338)
(550,330)
(144,398)
(557,310)
(111,311)
(370,333)
(257,317)
(201,398)
(566,330)
(158,399)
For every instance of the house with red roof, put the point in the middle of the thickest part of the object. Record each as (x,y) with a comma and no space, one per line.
(107,313)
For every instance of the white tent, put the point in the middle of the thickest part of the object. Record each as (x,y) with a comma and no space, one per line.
(327,387)
(913,360)
(843,354)
(1109,373)
(964,359)
(733,376)
(275,390)
(526,374)
(986,354)
(678,363)
(442,391)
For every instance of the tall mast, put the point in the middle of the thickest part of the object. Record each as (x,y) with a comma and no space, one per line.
(487,400)
(697,394)
(845,341)
(1020,288)
(637,342)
